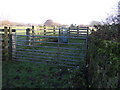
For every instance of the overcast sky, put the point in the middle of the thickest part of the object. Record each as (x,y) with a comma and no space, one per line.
(62,11)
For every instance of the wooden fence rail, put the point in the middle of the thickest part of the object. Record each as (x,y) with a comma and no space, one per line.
(54,31)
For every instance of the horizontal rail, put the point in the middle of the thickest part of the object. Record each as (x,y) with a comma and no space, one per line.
(51,47)
(32,56)
(44,51)
(21,32)
(47,60)
(51,29)
(47,29)
(53,54)
(62,59)
(49,32)
(13,30)
(80,29)
(70,56)
(81,34)
(47,63)
(21,29)
(35,41)
(51,36)
(45,32)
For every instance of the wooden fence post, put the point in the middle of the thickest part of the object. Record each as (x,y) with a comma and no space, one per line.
(69,32)
(33,33)
(58,49)
(28,37)
(0,45)
(5,44)
(77,30)
(10,43)
(87,31)
(13,42)
(44,30)
(54,31)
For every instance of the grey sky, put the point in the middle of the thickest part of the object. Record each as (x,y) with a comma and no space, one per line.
(62,11)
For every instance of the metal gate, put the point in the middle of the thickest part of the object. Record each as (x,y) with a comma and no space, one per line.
(58,46)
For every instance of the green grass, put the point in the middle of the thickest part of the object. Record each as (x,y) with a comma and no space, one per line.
(31,75)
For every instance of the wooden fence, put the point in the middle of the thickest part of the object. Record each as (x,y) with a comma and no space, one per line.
(71,32)
(6,42)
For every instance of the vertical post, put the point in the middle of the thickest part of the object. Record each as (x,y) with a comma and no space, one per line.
(77,30)
(1,61)
(28,36)
(69,31)
(87,31)
(60,35)
(13,42)
(10,43)
(5,44)
(1,45)
(61,30)
(68,34)
(58,50)
(54,31)
(33,33)
(44,30)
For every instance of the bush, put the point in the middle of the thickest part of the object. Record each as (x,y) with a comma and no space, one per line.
(104,57)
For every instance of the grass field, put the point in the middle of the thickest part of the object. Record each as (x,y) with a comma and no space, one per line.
(32,75)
